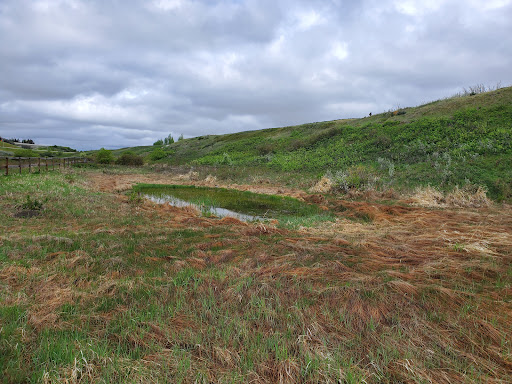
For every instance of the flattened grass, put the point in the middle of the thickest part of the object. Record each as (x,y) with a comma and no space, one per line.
(100,290)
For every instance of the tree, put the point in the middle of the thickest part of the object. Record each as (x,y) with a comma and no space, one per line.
(168,140)
(181,137)
(158,142)
(104,156)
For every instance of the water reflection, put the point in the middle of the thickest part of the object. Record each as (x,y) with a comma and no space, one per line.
(220,212)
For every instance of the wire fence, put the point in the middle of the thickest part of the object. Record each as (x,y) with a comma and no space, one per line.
(13,165)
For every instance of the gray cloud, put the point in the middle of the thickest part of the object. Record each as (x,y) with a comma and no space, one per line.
(93,74)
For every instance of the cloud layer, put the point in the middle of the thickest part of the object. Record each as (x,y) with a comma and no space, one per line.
(92,74)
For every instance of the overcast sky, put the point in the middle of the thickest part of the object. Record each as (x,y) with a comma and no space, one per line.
(116,73)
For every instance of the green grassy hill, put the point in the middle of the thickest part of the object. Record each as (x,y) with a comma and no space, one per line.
(456,141)
(3,145)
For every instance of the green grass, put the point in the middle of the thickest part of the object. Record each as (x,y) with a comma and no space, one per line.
(239,201)
(448,142)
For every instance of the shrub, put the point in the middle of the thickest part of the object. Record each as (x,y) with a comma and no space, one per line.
(48,154)
(265,149)
(158,142)
(158,154)
(130,158)
(104,156)
(33,205)
(354,178)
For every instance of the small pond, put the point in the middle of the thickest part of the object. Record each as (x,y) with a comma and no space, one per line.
(246,206)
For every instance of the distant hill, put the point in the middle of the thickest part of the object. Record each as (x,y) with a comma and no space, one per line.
(4,144)
(455,141)
(20,149)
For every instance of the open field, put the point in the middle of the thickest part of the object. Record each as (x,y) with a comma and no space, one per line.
(104,287)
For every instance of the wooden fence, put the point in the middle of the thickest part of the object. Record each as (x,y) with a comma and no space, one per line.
(17,164)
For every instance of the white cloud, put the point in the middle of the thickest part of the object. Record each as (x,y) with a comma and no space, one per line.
(309,19)
(418,7)
(340,50)
(491,4)
(77,70)
(167,5)
(89,109)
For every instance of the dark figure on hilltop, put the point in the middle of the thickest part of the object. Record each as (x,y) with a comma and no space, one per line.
(370,114)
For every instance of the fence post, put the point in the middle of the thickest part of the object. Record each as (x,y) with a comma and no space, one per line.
(39,164)
(29,165)
(53,164)
(19,163)
(6,166)
(46,162)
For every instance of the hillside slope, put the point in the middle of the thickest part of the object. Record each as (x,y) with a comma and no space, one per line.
(456,141)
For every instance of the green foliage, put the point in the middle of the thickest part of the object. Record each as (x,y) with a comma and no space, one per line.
(442,143)
(32,204)
(48,154)
(168,140)
(130,158)
(158,154)
(104,156)
(135,198)
(358,177)
(444,147)
(25,153)
(238,201)
(61,148)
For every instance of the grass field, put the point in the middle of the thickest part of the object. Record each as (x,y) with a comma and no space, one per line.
(101,287)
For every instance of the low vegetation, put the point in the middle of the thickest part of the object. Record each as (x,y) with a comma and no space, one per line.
(101,287)
(130,159)
(291,212)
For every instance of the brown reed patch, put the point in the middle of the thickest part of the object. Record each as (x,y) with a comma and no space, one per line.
(49,295)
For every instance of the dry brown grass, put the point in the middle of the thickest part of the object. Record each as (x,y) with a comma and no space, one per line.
(413,294)
(465,197)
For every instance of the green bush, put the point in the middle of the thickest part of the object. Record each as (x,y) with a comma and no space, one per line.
(130,158)
(158,154)
(49,154)
(104,156)
(33,205)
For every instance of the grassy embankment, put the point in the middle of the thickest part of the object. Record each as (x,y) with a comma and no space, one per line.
(100,289)
(456,141)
